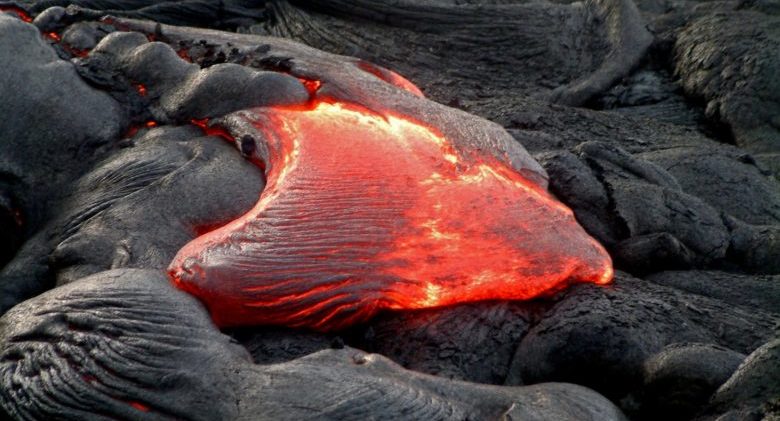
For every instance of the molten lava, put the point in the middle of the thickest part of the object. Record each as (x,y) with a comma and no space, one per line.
(364,212)
(21,14)
(391,77)
(140,88)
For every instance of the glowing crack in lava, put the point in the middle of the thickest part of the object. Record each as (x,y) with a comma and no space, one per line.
(364,212)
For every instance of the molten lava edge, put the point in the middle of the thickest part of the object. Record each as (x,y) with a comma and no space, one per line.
(364,212)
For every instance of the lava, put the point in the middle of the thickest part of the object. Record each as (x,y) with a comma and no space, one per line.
(184,54)
(311,85)
(364,212)
(133,130)
(18,12)
(203,124)
(139,406)
(391,77)
(140,88)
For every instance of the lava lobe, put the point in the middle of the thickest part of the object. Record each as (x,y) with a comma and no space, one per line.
(364,212)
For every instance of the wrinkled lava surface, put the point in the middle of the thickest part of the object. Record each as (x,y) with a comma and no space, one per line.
(366,211)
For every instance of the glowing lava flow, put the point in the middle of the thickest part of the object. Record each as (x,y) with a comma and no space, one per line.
(364,212)
(18,12)
(391,77)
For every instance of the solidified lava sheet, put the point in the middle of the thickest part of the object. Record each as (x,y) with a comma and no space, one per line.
(367,211)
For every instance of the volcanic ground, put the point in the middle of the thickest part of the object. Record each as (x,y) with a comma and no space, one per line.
(375,209)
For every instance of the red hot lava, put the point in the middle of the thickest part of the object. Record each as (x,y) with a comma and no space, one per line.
(364,212)
(18,12)
(391,77)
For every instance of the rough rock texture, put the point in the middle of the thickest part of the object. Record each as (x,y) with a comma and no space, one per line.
(734,71)
(473,342)
(596,43)
(680,378)
(651,222)
(131,210)
(753,391)
(645,167)
(726,178)
(603,337)
(749,291)
(121,345)
(72,124)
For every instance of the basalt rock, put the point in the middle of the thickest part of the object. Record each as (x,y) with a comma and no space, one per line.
(73,123)
(596,43)
(73,126)
(680,379)
(651,222)
(117,148)
(474,342)
(131,210)
(121,345)
(748,291)
(729,60)
(753,391)
(603,337)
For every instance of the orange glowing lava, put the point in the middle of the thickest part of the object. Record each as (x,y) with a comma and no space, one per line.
(391,77)
(18,12)
(203,124)
(140,88)
(364,212)
(184,54)
(311,85)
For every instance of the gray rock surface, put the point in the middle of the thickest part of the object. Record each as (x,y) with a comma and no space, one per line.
(680,379)
(747,291)
(72,123)
(753,392)
(730,60)
(473,342)
(53,125)
(651,222)
(603,337)
(122,344)
(647,173)
(136,209)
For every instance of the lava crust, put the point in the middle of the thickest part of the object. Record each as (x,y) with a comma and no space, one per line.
(367,211)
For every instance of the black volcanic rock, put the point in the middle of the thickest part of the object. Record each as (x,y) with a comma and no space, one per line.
(680,379)
(584,48)
(730,59)
(125,344)
(46,104)
(747,291)
(726,178)
(697,219)
(118,345)
(603,337)
(172,171)
(131,210)
(473,342)
(753,392)
(650,222)
(52,125)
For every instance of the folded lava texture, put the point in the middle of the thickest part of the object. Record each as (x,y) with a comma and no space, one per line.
(125,344)
(366,211)
(376,198)
(165,165)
